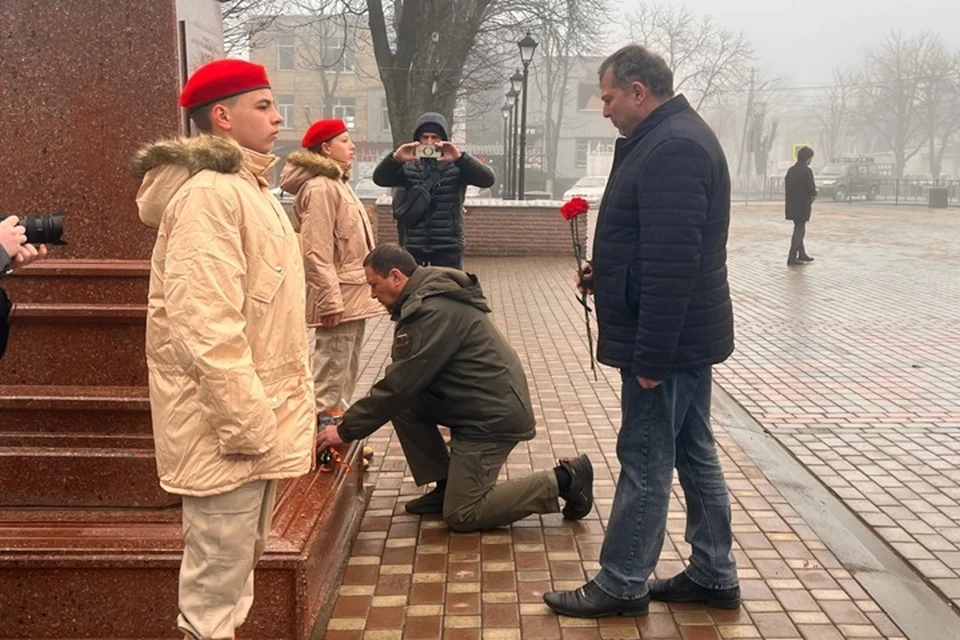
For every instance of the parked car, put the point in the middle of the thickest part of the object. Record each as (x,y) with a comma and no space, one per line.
(846,177)
(590,188)
(286,200)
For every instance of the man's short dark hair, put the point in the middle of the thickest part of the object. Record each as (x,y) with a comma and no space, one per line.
(804,154)
(387,257)
(635,63)
(203,116)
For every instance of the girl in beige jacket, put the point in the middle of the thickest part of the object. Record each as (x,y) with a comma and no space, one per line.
(336,236)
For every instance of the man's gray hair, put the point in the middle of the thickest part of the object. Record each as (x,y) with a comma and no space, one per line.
(636,63)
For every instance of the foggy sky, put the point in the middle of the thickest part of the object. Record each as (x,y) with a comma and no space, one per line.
(806,39)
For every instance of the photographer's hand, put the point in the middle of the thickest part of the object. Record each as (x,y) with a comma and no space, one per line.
(12,236)
(404,152)
(29,253)
(449,152)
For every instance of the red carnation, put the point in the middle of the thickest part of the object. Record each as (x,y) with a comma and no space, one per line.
(575,207)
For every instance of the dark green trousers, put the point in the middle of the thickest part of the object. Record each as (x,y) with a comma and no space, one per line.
(473,499)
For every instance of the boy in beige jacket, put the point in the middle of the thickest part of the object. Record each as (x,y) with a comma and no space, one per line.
(336,236)
(231,395)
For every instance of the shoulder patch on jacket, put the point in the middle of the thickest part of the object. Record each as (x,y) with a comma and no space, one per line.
(402,345)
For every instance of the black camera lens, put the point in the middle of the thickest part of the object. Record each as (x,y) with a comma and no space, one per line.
(47,229)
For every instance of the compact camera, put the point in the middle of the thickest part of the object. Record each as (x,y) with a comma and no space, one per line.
(427,151)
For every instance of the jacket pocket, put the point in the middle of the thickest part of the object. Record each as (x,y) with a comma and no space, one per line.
(265,282)
(280,389)
(348,222)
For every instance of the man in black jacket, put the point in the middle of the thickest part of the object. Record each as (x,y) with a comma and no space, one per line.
(799,191)
(451,366)
(436,238)
(659,276)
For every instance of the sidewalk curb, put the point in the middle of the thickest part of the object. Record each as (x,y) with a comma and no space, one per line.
(920,611)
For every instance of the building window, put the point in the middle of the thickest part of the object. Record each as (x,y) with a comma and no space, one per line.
(586,146)
(285,105)
(337,54)
(346,110)
(384,119)
(583,148)
(286,53)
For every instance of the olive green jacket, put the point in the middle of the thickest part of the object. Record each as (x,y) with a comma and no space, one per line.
(450,365)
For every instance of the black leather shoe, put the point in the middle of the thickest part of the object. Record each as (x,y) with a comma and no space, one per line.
(426,504)
(579,498)
(590,601)
(680,588)
(793,262)
(806,258)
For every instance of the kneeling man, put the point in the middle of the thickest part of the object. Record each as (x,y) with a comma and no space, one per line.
(452,367)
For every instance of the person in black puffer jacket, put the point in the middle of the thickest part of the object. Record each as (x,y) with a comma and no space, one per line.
(659,276)
(436,239)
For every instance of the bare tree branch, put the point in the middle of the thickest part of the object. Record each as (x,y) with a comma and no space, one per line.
(888,95)
(937,98)
(707,60)
(833,113)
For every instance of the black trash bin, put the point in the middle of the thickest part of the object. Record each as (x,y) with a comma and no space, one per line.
(938,198)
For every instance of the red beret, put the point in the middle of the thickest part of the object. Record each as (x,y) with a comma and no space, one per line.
(222,79)
(321,131)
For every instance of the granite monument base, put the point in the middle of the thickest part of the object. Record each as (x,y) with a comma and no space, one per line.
(112,573)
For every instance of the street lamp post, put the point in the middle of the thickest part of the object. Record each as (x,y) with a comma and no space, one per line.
(505,111)
(516,85)
(527,46)
(511,143)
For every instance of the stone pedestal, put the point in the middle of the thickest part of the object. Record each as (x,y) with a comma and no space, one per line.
(89,543)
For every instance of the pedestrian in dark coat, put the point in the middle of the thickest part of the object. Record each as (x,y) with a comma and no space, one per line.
(800,190)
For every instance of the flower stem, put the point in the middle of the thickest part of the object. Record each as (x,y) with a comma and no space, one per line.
(578,254)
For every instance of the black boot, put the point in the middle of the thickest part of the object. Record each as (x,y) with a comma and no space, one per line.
(590,601)
(429,502)
(805,258)
(579,496)
(680,588)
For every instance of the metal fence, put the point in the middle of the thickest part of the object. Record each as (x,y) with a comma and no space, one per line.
(908,191)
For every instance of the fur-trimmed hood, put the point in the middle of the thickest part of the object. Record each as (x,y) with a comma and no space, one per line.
(165,166)
(302,166)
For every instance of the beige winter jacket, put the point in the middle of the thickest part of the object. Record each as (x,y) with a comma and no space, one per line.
(336,234)
(230,387)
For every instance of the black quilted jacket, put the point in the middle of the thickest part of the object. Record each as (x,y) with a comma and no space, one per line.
(441,230)
(660,248)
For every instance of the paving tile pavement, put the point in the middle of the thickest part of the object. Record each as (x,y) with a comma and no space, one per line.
(409,577)
(852,363)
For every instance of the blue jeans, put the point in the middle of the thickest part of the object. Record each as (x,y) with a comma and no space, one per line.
(662,428)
